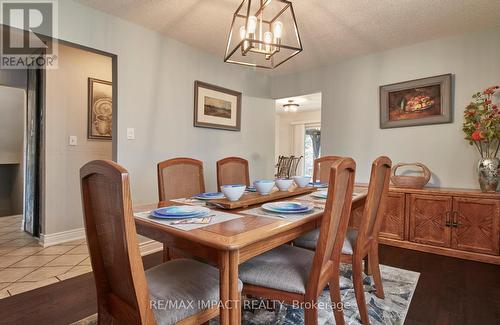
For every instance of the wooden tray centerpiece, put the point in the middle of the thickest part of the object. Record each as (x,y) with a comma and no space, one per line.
(254,198)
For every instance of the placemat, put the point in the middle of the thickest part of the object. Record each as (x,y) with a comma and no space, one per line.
(216,217)
(259,212)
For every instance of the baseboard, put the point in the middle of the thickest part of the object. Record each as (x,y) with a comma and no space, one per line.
(61,237)
(147,247)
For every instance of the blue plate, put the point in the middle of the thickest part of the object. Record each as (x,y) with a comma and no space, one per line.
(210,196)
(160,216)
(180,210)
(318,184)
(320,194)
(288,207)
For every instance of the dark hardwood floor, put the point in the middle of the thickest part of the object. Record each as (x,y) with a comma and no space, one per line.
(449,291)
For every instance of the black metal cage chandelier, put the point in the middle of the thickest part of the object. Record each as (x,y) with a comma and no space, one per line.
(263,34)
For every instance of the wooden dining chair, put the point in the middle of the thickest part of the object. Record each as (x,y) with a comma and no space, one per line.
(126,294)
(362,243)
(322,165)
(180,178)
(289,273)
(232,170)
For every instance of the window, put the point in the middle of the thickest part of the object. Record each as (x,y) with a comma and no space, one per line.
(312,148)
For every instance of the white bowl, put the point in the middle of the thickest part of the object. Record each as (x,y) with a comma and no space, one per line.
(301,181)
(283,184)
(264,187)
(233,192)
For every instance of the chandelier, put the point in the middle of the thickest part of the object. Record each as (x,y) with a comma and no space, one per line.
(263,34)
(291,106)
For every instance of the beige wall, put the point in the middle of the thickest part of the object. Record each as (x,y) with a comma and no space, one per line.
(350,104)
(155,96)
(66,114)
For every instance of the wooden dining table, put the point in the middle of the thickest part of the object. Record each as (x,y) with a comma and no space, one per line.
(228,244)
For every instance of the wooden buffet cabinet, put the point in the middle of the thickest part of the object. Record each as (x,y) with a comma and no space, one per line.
(452,222)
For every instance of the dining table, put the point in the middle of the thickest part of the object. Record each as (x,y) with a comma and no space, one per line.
(233,237)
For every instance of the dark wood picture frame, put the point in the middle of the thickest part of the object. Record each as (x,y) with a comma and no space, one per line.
(442,84)
(236,94)
(90,131)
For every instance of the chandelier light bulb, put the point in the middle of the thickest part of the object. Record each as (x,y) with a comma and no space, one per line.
(278,29)
(252,24)
(243,32)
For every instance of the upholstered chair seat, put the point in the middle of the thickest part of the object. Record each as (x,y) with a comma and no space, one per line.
(310,240)
(284,268)
(176,288)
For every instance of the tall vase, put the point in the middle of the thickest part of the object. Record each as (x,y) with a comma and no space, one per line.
(489,174)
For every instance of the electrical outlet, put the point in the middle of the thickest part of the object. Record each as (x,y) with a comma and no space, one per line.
(130,133)
(73,140)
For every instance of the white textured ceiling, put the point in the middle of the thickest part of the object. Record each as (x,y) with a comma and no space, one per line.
(331,30)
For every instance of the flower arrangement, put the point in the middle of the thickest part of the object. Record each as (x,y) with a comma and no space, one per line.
(482,123)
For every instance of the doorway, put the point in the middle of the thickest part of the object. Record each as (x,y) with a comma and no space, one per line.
(298,131)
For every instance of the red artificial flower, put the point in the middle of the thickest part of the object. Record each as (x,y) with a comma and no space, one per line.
(477,136)
(487,102)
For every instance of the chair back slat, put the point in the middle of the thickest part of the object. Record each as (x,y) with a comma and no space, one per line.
(180,178)
(322,168)
(375,201)
(335,217)
(232,170)
(122,290)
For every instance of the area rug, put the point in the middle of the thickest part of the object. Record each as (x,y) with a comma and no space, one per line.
(399,286)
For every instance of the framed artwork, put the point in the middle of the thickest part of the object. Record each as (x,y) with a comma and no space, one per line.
(416,102)
(100,107)
(216,107)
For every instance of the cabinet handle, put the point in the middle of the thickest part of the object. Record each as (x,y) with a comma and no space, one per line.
(455,222)
(448,219)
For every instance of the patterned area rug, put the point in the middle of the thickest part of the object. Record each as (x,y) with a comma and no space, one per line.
(399,286)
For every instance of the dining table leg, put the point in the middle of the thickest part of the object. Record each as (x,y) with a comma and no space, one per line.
(234,293)
(224,287)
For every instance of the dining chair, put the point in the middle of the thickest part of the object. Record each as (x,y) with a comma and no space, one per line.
(126,294)
(362,243)
(232,170)
(293,274)
(180,178)
(322,165)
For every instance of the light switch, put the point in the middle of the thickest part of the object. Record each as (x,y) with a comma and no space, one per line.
(73,140)
(130,133)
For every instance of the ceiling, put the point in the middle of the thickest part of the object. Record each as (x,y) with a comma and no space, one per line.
(308,103)
(331,30)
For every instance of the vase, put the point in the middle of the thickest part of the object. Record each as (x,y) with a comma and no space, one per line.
(489,174)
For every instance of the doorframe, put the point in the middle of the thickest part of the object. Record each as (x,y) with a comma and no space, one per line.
(39,215)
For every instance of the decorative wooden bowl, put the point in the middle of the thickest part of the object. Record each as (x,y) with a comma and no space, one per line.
(411,181)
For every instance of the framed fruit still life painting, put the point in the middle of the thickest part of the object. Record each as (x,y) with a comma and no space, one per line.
(416,102)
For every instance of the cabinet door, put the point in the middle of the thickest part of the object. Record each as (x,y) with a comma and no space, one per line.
(476,225)
(428,219)
(393,225)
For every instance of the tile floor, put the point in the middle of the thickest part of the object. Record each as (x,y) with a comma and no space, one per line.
(25,265)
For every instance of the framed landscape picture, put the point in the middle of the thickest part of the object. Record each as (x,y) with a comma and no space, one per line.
(416,102)
(216,107)
(100,109)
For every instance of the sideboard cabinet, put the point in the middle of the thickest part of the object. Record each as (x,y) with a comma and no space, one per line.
(451,222)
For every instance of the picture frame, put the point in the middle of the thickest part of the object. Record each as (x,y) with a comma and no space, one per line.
(416,102)
(216,107)
(100,109)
